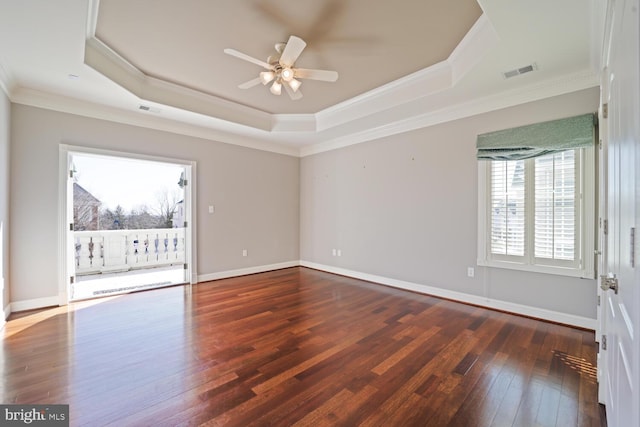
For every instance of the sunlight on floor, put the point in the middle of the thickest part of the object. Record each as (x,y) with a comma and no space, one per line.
(119,283)
(24,321)
(578,364)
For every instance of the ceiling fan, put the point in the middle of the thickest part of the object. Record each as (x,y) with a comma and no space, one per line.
(282,71)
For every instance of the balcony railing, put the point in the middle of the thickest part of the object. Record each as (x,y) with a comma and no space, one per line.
(106,251)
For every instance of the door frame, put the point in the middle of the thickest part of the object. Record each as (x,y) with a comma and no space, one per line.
(602,236)
(65,238)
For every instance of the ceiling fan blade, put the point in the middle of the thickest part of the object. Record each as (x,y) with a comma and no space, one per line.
(293,95)
(292,50)
(250,83)
(323,75)
(246,57)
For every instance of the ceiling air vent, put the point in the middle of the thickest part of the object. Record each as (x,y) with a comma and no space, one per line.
(148,108)
(519,71)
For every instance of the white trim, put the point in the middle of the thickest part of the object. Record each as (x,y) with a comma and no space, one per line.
(35,303)
(396,107)
(525,310)
(588,209)
(522,95)
(211,128)
(63,233)
(192,267)
(584,266)
(93,8)
(302,143)
(535,312)
(7,313)
(6,80)
(65,150)
(106,61)
(474,46)
(398,92)
(476,43)
(293,123)
(245,271)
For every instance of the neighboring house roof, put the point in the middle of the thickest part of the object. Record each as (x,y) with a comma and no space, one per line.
(79,193)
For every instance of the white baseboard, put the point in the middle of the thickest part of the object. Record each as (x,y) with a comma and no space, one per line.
(36,303)
(245,271)
(32,304)
(6,313)
(525,310)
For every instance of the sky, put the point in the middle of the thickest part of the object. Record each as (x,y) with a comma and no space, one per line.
(128,183)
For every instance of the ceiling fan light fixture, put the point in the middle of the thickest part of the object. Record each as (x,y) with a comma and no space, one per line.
(286,74)
(266,76)
(281,70)
(276,88)
(295,84)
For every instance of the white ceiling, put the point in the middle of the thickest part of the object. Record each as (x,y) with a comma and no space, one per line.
(402,64)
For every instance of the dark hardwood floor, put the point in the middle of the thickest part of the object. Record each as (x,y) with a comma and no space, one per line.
(298,347)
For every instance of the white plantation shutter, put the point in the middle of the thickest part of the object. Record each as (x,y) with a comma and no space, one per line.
(534,210)
(556,206)
(537,197)
(507,208)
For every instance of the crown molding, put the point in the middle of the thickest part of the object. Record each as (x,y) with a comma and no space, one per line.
(210,128)
(375,127)
(476,43)
(112,65)
(293,123)
(399,106)
(390,95)
(106,61)
(6,80)
(560,86)
(481,38)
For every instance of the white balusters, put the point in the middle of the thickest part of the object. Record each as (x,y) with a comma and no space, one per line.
(122,250)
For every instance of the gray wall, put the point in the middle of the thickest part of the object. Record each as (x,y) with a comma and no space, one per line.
(255,193)
(402,207)
(405,207)
(4,200)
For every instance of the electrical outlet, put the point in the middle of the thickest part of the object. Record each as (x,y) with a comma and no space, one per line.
(470,272)
(339,252)
(211,209)
(245,252)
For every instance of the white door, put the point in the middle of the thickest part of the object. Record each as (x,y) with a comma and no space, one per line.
(125,248)
(620,306)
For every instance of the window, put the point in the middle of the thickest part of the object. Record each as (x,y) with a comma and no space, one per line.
(537,214)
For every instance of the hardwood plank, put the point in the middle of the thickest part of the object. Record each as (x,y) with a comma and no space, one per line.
(298,347)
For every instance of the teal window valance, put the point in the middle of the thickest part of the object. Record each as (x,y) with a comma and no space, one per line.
(538,139)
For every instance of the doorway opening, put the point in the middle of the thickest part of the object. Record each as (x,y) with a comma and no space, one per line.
(128,223)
